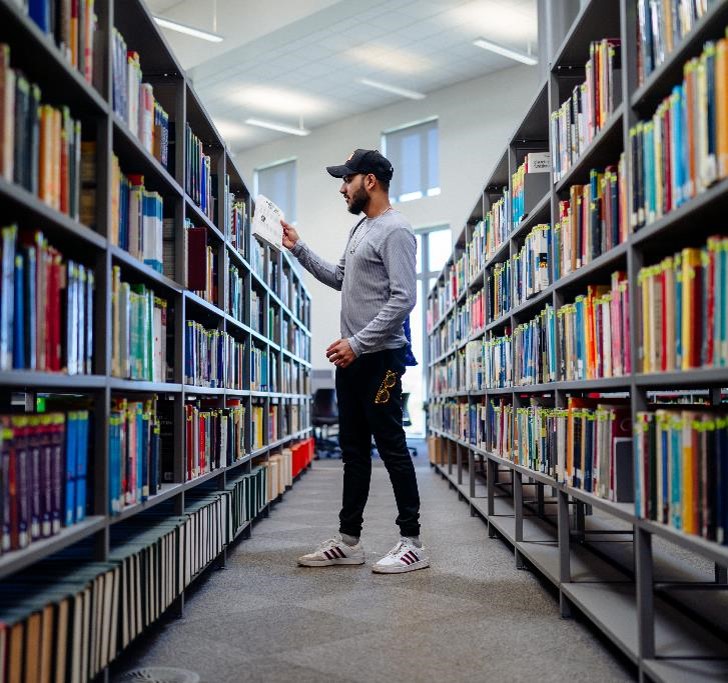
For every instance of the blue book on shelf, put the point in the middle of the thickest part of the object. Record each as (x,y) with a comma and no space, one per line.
(665,453)
(19,321)
(114,467)
(40,12)
(71,455)
(82,448)
(675,478)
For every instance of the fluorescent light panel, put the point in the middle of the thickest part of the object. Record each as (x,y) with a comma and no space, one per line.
(506,51)
(403,92)
(280,127)
(188,30)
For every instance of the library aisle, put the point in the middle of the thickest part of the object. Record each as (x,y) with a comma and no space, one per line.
(472,616)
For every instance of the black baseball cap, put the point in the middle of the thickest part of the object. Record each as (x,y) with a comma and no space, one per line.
(364,161)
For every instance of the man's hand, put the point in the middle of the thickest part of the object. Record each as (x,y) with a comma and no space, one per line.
(340,353)
(290,236)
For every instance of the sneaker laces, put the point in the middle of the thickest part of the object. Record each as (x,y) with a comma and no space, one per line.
(330,543)
(397,549)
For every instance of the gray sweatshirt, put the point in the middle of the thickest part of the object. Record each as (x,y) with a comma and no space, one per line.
(376,277)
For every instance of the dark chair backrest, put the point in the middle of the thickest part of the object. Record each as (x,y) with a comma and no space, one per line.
(324,404)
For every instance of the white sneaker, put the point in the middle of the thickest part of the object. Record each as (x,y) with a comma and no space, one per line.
(404,557)
(333,551)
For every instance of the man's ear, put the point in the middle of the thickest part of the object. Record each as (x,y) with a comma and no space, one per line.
(370,181)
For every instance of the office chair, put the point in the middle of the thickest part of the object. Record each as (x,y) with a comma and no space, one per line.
(324,416)
(407,420)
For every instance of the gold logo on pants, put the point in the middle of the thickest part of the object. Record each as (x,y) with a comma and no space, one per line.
(390,379)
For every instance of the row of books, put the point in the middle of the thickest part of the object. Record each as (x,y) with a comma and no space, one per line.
(534,162)
(683,149)
(236,294)
(592,221)
(280,473)
(661,27)
(296,340)
(587,445)
(214,437)
(46,306)
(134,101)
(257,258)
(294,380)
(198,176)
(44,465)
(500,290)
(594,332)
(138,331)
(66,618)
(531,269)
(591,335)
(489,235)
(446,336)
(235,218)
(213,358)
(293,419)
(257,316)
(137,216)
(40,145)
(134,452)
(682,470)
(260,370)
(74,29)
(444,376)
(588,108)
(683,304)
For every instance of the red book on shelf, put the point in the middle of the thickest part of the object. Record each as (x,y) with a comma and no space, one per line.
(196,258)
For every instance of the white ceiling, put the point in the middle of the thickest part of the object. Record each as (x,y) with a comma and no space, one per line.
(301,60)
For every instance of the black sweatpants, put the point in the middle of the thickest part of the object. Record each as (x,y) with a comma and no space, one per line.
(369,394)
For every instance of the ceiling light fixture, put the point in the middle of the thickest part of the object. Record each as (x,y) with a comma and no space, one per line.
(189,30)
(411,94)
(280,127)
(523,57)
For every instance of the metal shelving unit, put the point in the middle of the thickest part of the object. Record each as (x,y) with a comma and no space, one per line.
(37,56)
(665,615)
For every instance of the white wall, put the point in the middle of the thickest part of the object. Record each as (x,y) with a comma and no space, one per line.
(475,120)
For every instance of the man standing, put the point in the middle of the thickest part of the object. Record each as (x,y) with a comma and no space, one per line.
(376,277)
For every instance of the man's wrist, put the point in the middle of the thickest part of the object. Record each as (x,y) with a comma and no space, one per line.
(355,346)
(298,247)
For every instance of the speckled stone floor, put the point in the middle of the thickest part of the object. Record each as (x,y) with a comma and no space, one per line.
(470,617)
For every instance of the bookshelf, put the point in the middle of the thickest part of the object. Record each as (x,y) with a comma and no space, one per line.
(609,561)
(198,509)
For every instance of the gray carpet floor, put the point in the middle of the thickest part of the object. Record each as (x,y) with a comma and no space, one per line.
(470,617)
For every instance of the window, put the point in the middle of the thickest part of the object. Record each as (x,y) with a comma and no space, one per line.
(278,183)
(414,153)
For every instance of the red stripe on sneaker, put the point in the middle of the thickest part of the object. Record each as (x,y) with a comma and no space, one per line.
(340,551)
(406,560)
(413,557)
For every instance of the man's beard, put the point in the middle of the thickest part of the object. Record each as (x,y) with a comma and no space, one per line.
(359,201)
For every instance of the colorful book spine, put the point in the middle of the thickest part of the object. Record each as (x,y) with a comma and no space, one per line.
(46,307)
(589,107)
(683,312)
(682,471)
(139,331)
(134,101)
(661,26)
(683,149)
